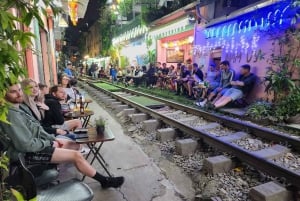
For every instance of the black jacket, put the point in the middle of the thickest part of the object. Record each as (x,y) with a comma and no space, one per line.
(54,115)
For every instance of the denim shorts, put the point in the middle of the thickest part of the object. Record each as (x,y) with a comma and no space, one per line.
(222,92)
(234,94)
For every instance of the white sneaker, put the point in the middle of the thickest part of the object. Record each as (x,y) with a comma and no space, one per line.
(197,103)
(202,104)
(84,150)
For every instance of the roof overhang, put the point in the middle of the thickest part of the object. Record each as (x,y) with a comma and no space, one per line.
(174,15)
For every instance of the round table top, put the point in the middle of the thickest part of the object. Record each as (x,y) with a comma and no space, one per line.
(77,114)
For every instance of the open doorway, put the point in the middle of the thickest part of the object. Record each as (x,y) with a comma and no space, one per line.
(215,57)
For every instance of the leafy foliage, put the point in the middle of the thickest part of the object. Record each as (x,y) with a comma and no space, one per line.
(14,41)
(279,79)
(4,193)
(13,44)
(289,106)
(106,22)
(259,110)
(100,121)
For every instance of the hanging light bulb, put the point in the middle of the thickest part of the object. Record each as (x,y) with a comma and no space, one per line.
(73,11)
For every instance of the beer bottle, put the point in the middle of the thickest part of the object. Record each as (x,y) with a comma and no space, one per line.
(81,109)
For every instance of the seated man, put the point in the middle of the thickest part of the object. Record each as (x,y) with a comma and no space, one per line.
(239,88)
(150,76)
(25,135)
(54,116)
(197,76)
(183,79)
(227,76)
(137,78)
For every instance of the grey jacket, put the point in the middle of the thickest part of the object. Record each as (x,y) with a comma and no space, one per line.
(23,134)
(226,78)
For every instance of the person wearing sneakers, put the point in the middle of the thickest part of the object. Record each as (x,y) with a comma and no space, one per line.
(227,75)
(239,88)
(24,134)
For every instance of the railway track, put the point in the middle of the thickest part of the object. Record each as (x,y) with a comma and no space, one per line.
(223,133)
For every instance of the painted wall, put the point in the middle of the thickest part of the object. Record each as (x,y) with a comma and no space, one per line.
(242,41)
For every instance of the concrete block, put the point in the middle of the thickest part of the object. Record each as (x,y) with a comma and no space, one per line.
(217,164)
(270,191)
(272,152)
(114,104)
(102,97)
(186,146)
(151,125)
(120,108)
(234,136)
(137,118)
(165,134)
(109,100)
(188,120)
(172,114)
(129,111)
(208,126)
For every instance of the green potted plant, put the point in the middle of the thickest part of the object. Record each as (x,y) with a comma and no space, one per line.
(100,125)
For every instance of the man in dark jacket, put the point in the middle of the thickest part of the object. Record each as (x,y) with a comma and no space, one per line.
(54,116)
(25,135)
(150,75)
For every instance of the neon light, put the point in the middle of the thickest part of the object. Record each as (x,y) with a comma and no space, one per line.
(228,29)
(249,25)
(262,23)
(234,28)
(245,27)
(218,31)
(240,26)
(282,13)
(224,30)
(268,22)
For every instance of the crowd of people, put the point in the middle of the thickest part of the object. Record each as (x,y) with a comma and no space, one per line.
(208,89)
(213,89)
(38,129)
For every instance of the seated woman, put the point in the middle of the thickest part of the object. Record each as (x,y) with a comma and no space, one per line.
(172,74)
(34,100)
(69,87)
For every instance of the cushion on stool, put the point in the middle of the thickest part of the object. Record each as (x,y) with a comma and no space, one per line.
(71,190)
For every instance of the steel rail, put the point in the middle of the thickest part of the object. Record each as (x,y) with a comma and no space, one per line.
(237,124)
(258,162)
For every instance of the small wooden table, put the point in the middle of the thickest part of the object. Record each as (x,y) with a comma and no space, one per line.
(86,116)
(92,143)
